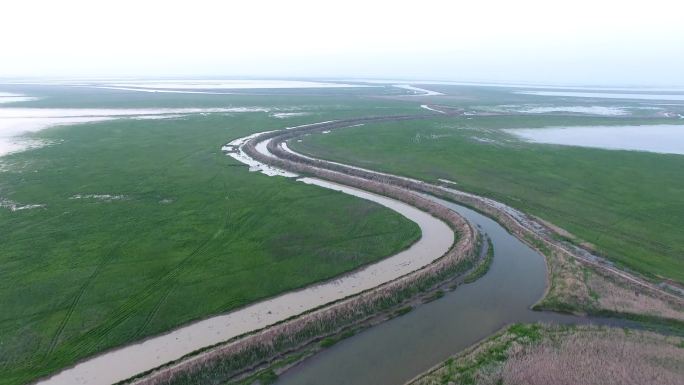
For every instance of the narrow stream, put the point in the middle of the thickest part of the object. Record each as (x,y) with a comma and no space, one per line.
(398,350)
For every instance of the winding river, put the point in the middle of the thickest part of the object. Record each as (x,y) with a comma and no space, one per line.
(390,353)
(398,350)
(122,363)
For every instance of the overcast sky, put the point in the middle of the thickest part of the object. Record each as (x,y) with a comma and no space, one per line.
(562,42)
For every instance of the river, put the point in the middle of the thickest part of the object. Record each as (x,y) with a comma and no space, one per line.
(398,350)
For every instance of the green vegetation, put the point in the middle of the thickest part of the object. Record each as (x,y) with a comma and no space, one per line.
(224,366)
(147,225)
(269,374)
(403,310)
(268,377)
(494,353)
(187,232)
(627,205)
(483,267)
(330,341)
(328,104)
(437,294)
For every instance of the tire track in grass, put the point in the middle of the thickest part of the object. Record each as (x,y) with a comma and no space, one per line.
(172,287)
(94,336)
(162,300)
(164,297)
(74,303)
(152,314)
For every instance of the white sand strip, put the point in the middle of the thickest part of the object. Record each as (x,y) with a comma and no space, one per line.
(421,91)
(425,106)
(154,90)
(234,84)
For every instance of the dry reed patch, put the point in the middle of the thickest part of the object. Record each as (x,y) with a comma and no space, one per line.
(597,356)
(568,285)
(580,289)
(617,298)
(543,354)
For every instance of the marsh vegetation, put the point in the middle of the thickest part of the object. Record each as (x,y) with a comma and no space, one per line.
(80,276)
(622,204)
(543,354)
(128,228)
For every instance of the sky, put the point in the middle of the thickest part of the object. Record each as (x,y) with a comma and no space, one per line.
(578,42)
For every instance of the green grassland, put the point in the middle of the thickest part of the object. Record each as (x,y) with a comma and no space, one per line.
(629,204)
(194,234)
(322,100)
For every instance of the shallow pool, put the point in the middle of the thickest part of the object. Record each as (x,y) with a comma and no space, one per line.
(663,138)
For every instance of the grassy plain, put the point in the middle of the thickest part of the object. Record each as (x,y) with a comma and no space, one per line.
(187,232)
(627,204)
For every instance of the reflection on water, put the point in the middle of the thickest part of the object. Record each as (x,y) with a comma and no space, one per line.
(663,138)
(398,350)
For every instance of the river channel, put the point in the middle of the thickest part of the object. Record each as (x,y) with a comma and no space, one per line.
(398,350)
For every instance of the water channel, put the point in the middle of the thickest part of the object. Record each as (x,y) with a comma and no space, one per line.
(398,350)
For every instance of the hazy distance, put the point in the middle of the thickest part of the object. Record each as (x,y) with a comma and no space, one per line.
(552,42)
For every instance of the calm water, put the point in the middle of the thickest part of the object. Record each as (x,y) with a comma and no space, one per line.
(398,350)
(605,95)
(663,138)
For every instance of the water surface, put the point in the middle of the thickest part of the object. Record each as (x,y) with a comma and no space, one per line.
(398,350)
(663,138)
(605,95)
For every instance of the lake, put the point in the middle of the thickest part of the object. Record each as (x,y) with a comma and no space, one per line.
(662,138)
